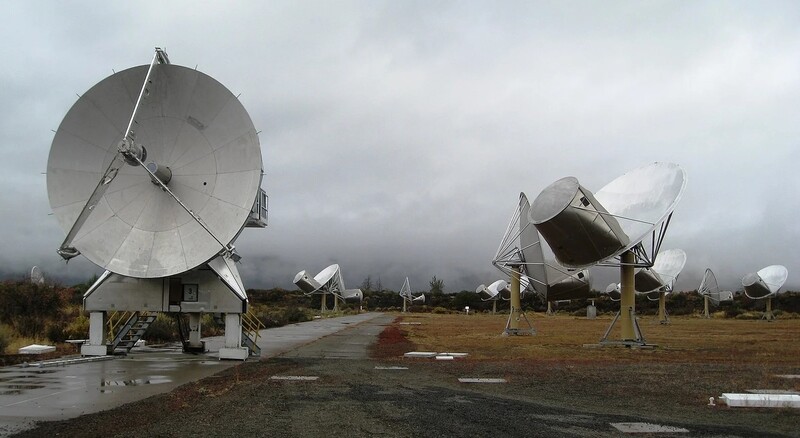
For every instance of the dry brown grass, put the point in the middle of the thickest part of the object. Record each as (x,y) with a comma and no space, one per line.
(561,337)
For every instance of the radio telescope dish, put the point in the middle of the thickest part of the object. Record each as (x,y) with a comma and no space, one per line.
(663,274)
(521,248)
(37,277)
(585,229)
(766,283)
(609,227)
(520,256)
(659,280)
(709,290)
(613,291)
(499,290)
(408,297)
(328,281)
(188,131)
(153,173)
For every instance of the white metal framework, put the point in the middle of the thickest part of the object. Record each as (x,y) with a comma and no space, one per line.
(711,293)
(408,296)
(328,281)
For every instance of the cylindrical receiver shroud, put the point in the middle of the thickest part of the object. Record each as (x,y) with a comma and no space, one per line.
(577,227)
(305,283)
(755,287)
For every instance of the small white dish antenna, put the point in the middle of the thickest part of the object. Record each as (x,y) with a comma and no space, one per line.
(408,296)
(659,280)
(37,277)
(765,284)
(613,291)
(711,293)
(661,277)
(496,291)
(328,281)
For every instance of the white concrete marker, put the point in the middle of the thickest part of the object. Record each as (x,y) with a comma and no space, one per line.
(647,428)
(444,357)
(481,380)
(420,354)
(295,378)
(788,376)
(772,391)
(390,368)
(761,400)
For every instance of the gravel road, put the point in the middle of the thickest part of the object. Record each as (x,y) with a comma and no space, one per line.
(358,395)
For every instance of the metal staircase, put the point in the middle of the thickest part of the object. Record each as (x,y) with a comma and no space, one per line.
(251,327)
(127,328)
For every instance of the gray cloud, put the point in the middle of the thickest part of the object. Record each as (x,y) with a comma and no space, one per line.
(397,135)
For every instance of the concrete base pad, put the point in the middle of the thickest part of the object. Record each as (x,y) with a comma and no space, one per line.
(234,353)
(94,350)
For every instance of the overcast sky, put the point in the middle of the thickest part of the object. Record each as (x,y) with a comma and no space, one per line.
(397,135)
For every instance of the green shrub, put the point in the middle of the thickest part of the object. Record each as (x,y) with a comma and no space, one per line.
(6,336)
(78,328)
(163,329)
(55,332)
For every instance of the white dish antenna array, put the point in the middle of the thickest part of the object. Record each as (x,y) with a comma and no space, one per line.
(37,277)
(499,290)
(709,289)
(329,280)
(623,225)
(521,248)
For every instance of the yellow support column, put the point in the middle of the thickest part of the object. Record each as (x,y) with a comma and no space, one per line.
(768,315)
(516,306)
(628,298)
(662,308)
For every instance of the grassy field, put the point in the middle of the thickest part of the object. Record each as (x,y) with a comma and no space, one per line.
(694,340)
(695,359)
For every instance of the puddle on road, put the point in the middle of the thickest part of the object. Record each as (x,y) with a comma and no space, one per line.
(152,380)
(17,389)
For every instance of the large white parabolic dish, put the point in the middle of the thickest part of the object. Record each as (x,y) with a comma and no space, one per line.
(187,122)
(664,272)
(766,282)
(583,229)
